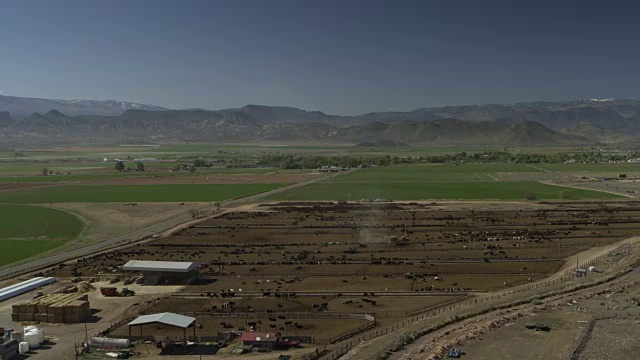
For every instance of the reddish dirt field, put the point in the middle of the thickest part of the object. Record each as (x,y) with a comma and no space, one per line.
(18,186)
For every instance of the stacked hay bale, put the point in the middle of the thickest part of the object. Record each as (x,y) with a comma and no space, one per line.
(54,308)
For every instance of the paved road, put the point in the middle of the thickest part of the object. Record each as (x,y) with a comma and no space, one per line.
(11,271)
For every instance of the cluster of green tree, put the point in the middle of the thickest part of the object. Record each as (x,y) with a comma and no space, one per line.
(346,161)
(201,163)
(316,162)
(121,167)
(525,158)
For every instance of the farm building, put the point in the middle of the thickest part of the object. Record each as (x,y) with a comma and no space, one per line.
(257,339)
(167,318)
(164,272)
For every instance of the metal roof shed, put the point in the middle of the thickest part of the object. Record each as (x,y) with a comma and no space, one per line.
(166,318)
(162,266)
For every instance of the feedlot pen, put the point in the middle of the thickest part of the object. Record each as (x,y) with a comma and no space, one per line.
(388,260)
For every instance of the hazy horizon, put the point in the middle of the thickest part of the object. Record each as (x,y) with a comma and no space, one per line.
(339,57)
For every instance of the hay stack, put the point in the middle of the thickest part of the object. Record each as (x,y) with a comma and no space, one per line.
(85,287)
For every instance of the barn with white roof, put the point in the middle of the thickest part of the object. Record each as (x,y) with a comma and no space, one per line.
(167,318)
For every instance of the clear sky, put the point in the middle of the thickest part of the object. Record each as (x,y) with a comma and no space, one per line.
(340,57)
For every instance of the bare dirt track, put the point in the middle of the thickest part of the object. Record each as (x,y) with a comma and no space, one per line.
(19,186)
(112,219)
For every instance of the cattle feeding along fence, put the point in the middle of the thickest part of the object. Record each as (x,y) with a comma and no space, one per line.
(344,348)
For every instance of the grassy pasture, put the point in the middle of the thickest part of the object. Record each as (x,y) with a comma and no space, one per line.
(432,172)
(16,250)
(26,231)
(435,190)
(26,222)
(436,181)
(132,193)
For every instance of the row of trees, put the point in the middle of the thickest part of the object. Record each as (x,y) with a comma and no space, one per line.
(316,162)
(526,158)
(346,161)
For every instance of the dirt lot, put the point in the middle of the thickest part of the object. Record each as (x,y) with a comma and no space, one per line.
(112,219)
(594,323)
(18,186)
(613,339)
(321,330)
(610,338)
(409,255)
(105,311)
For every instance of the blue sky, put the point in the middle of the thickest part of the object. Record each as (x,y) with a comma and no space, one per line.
(341,57)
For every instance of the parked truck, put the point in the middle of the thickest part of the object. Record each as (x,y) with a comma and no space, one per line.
(113,291)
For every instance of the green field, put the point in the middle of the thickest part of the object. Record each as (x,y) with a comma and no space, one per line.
(27,230)
(450,190)
(132,193)
(23,249)
(94,177)
(432,172)
(28,222)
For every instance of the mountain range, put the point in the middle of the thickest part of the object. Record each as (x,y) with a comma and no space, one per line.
(20,107)
(582,122)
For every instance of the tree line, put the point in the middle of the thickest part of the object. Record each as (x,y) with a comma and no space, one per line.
(316,162)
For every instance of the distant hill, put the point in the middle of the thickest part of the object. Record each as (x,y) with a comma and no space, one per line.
(459,132)
(20,107)
(610,114)
(5,119)
(533,133)
(550,123)
(271,114)
(143,126)
(595,132)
